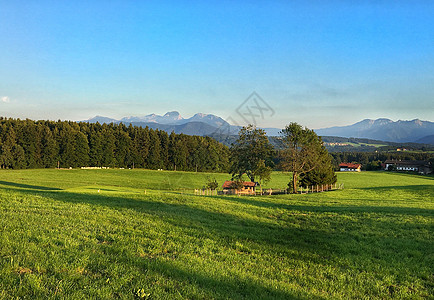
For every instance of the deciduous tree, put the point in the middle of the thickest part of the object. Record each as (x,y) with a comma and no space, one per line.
(304,152)
(251,154)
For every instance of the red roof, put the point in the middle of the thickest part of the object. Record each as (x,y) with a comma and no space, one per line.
(350,165)
(228,184)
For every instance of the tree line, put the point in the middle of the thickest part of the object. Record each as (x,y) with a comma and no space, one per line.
(48,144)
(372,161)
(66,144)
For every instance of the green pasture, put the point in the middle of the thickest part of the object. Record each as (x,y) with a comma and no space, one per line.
(140,234)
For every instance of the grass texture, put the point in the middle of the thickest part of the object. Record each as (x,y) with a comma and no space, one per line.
(140,234)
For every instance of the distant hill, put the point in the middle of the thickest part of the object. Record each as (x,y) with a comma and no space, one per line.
(429,139)
(383,129)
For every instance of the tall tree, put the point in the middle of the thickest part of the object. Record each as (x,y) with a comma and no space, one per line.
(49,148)
(108,146)
(81,154)
(154,158)
(141,142)
(95,146)
(324,172)
(123,144)
(19,157)
(29,138)
(181,153)
(67,148)
(303,152)
(6,148)
(164,149)
(251,154)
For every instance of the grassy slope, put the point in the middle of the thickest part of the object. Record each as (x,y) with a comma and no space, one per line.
(60,237)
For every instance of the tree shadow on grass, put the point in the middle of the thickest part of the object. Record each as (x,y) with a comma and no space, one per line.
(323,245)
(339,209)
(27,186)
(419,176)
(205,285)
(409,188)
(220,286)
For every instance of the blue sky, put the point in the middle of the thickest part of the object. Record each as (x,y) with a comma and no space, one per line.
(319,63)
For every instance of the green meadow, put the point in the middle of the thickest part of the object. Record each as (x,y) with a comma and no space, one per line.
(140,234)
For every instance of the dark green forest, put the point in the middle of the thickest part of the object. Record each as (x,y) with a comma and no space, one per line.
(64,144)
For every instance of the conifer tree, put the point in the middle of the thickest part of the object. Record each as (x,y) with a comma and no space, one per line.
(154,159)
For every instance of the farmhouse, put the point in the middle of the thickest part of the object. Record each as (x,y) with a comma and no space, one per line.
(349,167)
(420,166)
(248,188)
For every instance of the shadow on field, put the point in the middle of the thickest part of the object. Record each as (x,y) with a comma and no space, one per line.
(341,240)
(27,186)
(419,176)
(409,188)
(334,209)
(219,285)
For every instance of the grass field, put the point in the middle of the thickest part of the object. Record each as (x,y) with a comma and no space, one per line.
(96,234)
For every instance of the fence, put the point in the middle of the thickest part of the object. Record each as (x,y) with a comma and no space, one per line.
(302,190)
(321,188)
(205,192)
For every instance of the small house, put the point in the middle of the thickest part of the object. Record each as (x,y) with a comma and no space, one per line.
(247,189)
(350,167)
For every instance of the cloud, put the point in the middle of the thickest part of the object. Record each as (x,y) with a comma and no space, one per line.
(5,99)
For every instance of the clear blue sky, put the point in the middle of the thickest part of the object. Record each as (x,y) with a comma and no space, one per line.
(319,63)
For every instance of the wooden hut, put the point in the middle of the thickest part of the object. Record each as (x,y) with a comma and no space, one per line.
(247,189)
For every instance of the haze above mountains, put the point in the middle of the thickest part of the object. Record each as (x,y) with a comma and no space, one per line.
(208,124)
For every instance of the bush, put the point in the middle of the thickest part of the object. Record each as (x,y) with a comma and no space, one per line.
(212,184)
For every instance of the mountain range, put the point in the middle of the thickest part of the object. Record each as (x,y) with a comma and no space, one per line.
(415,131)
(172,120)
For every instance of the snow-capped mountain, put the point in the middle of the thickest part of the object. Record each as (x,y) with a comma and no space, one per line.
(169,118)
